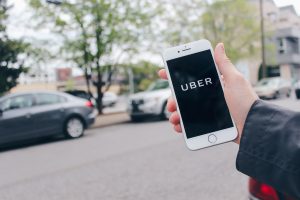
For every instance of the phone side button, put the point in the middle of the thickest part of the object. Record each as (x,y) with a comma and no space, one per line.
(212,138)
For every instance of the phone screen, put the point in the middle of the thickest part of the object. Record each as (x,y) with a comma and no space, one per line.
(199,94)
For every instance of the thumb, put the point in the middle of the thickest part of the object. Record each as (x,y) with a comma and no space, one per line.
(223,62)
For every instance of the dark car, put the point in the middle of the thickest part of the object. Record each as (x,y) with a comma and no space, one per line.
(80,93)
(261,191)
(25,116)
(109,99)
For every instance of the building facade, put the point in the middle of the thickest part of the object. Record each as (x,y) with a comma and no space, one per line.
(282,30)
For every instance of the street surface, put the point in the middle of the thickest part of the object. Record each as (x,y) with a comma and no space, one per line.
(126,161)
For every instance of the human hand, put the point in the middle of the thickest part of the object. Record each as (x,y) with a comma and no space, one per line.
(238,92)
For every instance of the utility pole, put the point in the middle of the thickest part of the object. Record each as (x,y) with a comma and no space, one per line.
(131,80)
(263,55)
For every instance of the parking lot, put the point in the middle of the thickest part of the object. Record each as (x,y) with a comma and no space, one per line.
(116,162)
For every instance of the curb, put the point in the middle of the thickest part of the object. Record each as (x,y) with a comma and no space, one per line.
(112,113)
(110,119)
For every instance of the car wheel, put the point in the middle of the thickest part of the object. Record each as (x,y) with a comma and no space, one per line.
(276,95)
(289,93)
(165,114)
(74,127)
(297,92)
(135,118)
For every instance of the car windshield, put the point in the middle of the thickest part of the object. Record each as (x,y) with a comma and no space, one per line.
(158,85)
(268,82)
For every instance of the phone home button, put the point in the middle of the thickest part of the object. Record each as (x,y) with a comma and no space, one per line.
(212,138)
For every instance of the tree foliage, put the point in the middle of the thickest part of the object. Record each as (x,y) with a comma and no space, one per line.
(11,65)
(94,32)
(145,73)
(181,21)
(234,22)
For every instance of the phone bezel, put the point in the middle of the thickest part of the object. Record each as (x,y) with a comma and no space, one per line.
(199,142)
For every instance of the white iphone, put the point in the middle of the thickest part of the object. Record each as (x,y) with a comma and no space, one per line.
(195,83)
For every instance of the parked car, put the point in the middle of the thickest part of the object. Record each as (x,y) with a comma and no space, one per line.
(24,116)
(152,102)
(273,88)
(109,98)
(297,89)
(261,191)
(80,93)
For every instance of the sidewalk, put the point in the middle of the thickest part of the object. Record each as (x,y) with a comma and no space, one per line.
(113,115)
(111,119)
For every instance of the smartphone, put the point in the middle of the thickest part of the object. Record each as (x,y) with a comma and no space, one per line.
(195,83)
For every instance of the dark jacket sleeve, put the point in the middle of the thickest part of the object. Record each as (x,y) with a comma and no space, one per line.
(270,147)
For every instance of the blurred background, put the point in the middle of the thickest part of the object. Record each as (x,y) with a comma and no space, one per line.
(83,112)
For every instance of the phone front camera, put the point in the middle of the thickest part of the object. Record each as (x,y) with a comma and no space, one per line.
(178,51)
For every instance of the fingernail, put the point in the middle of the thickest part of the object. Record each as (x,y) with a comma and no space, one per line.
(222,47)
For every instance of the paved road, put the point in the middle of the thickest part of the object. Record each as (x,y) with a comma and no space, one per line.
(126,161)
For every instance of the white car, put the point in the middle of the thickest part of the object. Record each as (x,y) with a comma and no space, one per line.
(297,89)
(273,88)
(152,102)
(109,99)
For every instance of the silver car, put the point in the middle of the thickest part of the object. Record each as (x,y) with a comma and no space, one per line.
(273,88)
(25,116)
(152,102)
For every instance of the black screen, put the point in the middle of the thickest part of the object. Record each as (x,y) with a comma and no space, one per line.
(199,94)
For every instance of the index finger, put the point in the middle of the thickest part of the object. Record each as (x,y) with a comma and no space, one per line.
(163,74)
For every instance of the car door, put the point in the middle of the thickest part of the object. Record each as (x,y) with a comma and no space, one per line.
(16,120)
(48,113)
(284,89)
(281,88)
(287,87)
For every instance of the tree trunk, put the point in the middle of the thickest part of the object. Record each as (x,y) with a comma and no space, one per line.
(109,79)
(87,79)
(99,91)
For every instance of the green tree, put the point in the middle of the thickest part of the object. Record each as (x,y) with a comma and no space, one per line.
(145,73)
(182,21)
(234,22)
(10,51)
(95,31)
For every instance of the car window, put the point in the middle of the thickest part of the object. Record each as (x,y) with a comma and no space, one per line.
(82,95)
(17,102)
(47,99)
(158,85)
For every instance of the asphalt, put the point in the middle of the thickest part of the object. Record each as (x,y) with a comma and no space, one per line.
(125,161)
